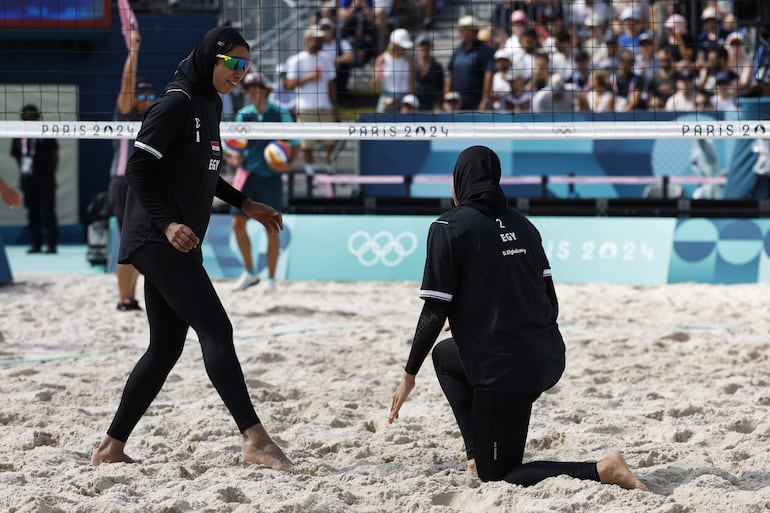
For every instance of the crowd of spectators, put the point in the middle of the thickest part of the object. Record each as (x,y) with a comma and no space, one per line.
(547,56)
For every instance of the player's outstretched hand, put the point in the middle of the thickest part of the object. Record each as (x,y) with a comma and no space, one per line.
(400,396)
(269,217)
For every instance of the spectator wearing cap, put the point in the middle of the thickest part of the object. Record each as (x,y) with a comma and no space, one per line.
(135,97)
(646,62)
(578,11)
(453,102)
(597,29)
(356,21)
(410,104)
(629,88)
(312,75)
(262,181)
(683,100)
(711,36)
(340,51)
(630,19)
(501,83)
(394,70)
(471,67)
(739,61)
(679,40)
(725,91)
(429,75)
(662,83)
(519,24)
(557,97)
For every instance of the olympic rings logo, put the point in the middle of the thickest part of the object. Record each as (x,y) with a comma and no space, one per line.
(381,247)
(563,130)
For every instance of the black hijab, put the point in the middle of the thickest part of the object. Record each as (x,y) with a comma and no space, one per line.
(196,71)
(476,180)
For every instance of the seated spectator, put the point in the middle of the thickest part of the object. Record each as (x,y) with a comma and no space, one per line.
(716,63)
(646,63)
(471,67)
(429,75)
(409,104)
(453,102)
(683,100)
(703,103)
(501,84)
(723,99)
(520,98)
(632,28)
(599,97)
(500,21)
(628,87)
(607,58)
(553,25)
(577,11)
(558,97)
(541,75)
(597,35)
(356,19)
(679,41)
(662,84)
(740,62)
(339,51)
(582,72)
(713,35)
(562,55)
(394,69)
(524,58)
(519,24)
(729,23)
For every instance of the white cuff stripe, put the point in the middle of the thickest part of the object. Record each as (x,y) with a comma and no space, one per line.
(546,273)
(435,294)
(149,149)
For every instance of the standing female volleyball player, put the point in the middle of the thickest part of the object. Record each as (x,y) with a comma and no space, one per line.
(173,177)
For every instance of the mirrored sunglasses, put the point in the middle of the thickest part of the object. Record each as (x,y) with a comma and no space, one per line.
(145,96)
(235,63)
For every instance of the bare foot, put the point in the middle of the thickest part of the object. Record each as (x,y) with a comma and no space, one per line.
(613,469)
(472,468)
(110,451)
(259,448)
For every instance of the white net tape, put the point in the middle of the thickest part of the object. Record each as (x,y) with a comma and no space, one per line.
(405,131)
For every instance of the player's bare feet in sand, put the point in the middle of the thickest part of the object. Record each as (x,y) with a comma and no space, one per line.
(110,451)
(259,448)
(472,468)
(613,469)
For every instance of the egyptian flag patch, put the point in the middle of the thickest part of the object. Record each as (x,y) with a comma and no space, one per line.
(215,149)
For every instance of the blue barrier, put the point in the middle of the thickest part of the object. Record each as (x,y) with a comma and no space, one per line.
(5,268)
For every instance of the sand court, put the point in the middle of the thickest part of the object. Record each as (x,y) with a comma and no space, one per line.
(675,377)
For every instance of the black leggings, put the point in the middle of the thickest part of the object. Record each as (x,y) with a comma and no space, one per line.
(494,426)
(179,295)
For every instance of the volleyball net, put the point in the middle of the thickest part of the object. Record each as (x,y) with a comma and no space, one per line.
(602,100)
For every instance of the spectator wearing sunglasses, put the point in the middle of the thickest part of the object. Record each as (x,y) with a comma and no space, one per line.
(133,99)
